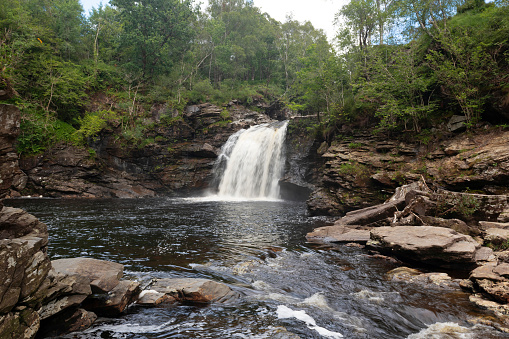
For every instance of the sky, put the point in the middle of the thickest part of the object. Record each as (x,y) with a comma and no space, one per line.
(319,12)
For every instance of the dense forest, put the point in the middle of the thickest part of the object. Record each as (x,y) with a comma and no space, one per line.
(396,66)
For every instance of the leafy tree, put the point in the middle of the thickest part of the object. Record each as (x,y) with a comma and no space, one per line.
(360,22)
(319,86)
(430,16)
(465,60)
(155,34)
(400,88)
(292,43)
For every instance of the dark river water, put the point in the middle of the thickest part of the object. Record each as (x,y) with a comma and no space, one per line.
(291,289)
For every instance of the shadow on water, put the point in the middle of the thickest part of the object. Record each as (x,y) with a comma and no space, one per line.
(291,289)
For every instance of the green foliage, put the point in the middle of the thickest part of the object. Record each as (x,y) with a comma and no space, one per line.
(93,123)
(153,31)
(225,115)
(354,145)
(401,66)
(134,134)
(462,206)
(40,130)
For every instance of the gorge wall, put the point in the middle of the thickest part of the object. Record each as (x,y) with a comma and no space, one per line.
(350,172)
(178,158)
(11,177)
(362,170)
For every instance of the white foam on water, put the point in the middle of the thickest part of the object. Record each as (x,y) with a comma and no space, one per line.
(284,312)
(147,292)
(261,285)
(317,300)
(375,297)
(226,198)
(137,328)
(446,330)
(307,255)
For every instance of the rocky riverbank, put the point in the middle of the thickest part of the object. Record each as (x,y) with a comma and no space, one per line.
(40,297)
(361,170)
(436,229)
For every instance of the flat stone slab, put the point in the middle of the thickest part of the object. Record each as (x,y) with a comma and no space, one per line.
(496,236)
(427,244)
(485,225)
(186,290)
(429,280)
(340,233)
(103,275)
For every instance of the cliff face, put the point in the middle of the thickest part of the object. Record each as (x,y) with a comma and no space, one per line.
(302,160)
(363,170)
(178,158)
(11,177)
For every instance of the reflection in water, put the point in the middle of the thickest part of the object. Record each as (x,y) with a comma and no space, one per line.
(290,288)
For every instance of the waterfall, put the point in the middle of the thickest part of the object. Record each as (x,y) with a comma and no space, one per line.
(252,162)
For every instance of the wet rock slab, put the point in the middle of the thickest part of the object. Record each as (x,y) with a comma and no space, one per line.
(186,290)
(340,233)
(103,275)
(429,245)
(433,279)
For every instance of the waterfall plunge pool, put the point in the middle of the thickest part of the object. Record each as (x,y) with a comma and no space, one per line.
(291,289)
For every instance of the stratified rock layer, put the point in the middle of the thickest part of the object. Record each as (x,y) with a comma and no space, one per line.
(431,245)
(11,177)
(103,275)
(178,156)
(24,265)
(363,170)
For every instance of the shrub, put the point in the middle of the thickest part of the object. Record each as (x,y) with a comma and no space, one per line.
(93,123)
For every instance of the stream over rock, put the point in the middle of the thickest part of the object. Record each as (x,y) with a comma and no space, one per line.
(251,162)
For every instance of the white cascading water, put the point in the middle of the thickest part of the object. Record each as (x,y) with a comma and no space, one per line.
(252,162)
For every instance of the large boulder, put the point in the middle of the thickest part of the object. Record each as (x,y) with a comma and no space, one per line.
(429,245)
(25,266)
(113,303)
(428,280)
(103,275)
(187,290)
(59,292)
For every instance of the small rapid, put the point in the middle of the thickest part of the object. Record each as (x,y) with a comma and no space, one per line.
(291,289)
(251,163)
